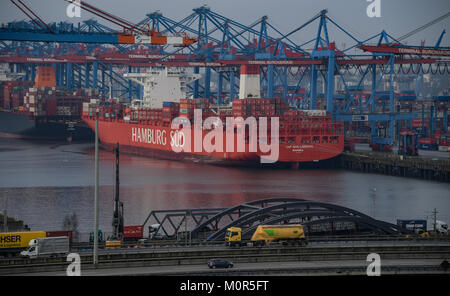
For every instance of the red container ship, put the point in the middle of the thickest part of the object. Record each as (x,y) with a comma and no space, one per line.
(203,132)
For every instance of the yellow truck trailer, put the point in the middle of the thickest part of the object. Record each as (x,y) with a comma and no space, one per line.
(11,243)
(266,234)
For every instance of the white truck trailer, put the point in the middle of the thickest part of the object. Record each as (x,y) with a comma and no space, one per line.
(47,246)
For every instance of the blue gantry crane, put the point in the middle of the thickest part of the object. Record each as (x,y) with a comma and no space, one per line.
(307,73)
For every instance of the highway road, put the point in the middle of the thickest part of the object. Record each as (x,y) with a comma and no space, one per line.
(335,267)
(324,257)
(313,244)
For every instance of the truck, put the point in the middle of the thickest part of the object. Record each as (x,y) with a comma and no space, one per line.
(420,227)
(47,246)
(416,226)
(133,232)
(266,234)
(12,243)
(153,232)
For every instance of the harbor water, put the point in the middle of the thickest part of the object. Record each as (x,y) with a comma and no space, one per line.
(43,183)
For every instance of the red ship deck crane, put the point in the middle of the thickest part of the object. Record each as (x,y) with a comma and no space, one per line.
(398,48)
(404,49)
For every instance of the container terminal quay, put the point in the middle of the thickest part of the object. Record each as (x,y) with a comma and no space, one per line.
(217,145)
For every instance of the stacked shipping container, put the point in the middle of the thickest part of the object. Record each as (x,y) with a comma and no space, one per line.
(13,95)
(170,110)
(259,107)
(187,108)
(50,101)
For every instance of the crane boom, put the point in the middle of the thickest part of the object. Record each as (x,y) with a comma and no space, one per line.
(135,34)
(132,34)
(424,26)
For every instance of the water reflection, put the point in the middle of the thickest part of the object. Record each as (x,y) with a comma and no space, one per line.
(46,182)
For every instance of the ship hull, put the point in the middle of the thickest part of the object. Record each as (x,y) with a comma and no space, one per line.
(158,142)
(180,156)
(19,125)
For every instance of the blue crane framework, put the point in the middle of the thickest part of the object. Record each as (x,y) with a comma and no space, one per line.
(87,54)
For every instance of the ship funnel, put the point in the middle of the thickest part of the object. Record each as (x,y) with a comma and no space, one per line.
(249,82)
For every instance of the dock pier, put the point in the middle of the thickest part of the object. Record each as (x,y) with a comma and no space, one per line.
(428,168)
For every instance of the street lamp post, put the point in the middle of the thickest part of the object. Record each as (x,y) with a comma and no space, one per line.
(95,255)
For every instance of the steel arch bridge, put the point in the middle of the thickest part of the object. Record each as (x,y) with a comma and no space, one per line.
(317,217)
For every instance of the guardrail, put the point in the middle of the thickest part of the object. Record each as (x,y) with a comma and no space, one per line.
(202,259)
(323,239)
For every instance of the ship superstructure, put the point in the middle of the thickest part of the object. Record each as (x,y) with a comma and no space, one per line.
(162,84)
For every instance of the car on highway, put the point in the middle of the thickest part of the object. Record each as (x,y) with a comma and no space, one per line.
(217,262)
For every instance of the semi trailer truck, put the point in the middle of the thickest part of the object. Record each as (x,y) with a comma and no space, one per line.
(420,227)
(266,234)
(47,247)
(12,243)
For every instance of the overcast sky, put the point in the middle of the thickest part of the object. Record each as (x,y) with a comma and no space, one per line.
(398,17)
